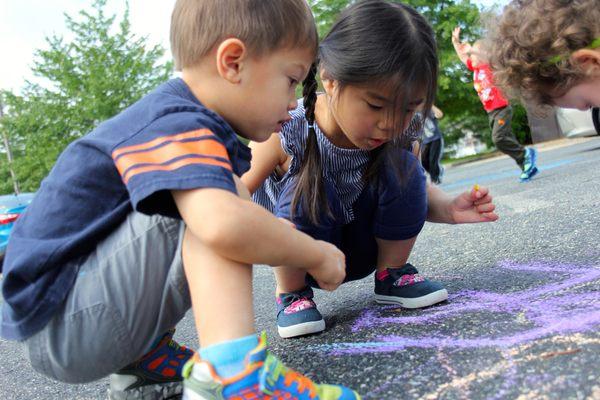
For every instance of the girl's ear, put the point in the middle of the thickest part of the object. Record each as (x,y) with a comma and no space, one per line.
(588,60)
(328,84)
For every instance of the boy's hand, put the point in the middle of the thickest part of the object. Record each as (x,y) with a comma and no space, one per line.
(473,206)
(331,270)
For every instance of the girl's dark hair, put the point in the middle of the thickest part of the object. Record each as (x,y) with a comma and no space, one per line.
(373,42)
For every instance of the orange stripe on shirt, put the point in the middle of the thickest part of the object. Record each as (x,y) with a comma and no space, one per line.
(198,133)
(170,151)
(173,166)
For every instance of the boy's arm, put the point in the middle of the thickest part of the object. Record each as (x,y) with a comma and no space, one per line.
(247,233)
(462,49)
(468,207)
(266,156)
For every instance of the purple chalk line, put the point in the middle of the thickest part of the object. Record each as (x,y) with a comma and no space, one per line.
(552,309)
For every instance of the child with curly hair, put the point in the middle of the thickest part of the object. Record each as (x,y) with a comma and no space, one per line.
(547,53)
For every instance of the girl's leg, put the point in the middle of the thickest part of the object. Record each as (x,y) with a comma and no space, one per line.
(393,252)
(297,313)
(400,216)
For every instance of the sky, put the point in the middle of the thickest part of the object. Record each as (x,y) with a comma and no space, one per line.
(25,24)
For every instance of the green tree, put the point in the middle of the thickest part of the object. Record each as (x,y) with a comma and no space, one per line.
(80,83)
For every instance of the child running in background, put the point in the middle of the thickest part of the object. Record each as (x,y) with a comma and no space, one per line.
(340,169)
(547,52)
(497,107)
(145,216)
(432,146)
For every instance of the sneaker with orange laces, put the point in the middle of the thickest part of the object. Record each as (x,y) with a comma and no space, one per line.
(155,376)
(265,378)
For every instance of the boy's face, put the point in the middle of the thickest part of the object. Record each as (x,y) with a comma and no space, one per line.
(267,91)
(582,96)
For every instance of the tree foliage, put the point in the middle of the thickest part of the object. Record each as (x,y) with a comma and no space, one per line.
(80,83)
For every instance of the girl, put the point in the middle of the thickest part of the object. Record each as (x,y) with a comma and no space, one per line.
(549,61)
(340,169)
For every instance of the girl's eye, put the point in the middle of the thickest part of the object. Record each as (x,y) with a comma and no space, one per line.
(293,82)
(374,106)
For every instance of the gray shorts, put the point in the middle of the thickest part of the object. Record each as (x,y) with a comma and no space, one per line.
(130,290)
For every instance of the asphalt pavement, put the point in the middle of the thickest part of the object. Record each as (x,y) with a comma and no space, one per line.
(522,320)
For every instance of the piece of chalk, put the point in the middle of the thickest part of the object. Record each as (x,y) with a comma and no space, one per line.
(476,187)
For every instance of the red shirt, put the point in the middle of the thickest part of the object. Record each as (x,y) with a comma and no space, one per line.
(491,97)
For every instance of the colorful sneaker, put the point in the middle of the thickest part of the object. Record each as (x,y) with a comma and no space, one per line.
(526,176)
(530,159)
(404,286)
(297,314)
(155,376)
(264,377)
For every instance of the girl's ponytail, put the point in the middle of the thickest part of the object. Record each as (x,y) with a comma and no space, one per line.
(310,193)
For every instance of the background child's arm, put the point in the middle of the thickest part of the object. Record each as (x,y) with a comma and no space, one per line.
(462,49)
(472,206)
(266,156)
(245,232)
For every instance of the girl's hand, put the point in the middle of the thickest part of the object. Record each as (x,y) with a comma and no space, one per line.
(331,271)
(473,206)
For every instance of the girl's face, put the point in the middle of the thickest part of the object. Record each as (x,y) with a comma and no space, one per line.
(365,114)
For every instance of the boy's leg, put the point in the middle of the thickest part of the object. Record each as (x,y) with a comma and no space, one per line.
(233,362)
(129,292)
(400,216)
(503,136)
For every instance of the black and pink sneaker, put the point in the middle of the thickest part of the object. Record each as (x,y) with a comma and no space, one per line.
(405,287)
(297,314)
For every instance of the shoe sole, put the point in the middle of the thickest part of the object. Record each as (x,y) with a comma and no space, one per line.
(166,391)
(305,328)
(416,302)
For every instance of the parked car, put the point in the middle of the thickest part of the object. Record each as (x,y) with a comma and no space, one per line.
(577,123)
(11,207)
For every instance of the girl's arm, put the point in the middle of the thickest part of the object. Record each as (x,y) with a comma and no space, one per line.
(468,207)
(266,157)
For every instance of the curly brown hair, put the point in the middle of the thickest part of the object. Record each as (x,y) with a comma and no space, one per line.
(529,48)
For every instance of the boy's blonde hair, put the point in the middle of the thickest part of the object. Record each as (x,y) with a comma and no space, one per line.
(263,25)
(530,48)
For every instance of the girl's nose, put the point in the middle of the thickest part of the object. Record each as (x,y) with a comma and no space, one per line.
(293,104)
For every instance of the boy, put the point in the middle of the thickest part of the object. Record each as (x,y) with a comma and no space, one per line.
(146,216)
(498,108)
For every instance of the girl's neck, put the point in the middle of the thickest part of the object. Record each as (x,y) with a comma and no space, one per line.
(328,125)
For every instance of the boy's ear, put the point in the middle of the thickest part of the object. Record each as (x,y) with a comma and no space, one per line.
(587,59)
(328,83)
(231,55)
